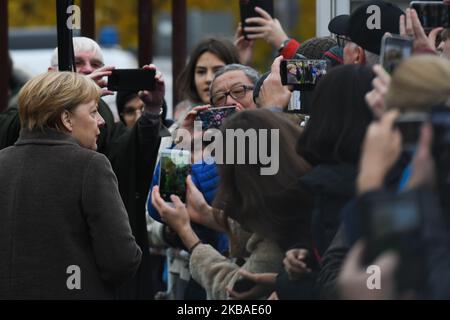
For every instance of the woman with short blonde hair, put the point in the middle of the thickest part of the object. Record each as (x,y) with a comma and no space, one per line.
(44,98)
(65,231)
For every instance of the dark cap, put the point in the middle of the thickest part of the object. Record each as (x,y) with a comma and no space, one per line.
(356,26)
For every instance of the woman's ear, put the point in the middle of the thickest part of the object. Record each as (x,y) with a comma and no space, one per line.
(65,119)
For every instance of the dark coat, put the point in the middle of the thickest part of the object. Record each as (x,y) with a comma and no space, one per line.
(132,154)
(332,186)
(60,206)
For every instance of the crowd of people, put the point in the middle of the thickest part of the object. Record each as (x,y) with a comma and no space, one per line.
(81,190)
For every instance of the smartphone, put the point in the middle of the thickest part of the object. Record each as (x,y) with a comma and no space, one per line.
(132,80)
(394,50)
(213,118)
(432,14)
(302,74)
(175,166)
(247,8)
(410,125)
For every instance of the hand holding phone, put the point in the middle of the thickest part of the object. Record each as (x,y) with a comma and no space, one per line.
(215,117)
(174,169)
(302,74)
(132,80)
(395,49)
(247,8)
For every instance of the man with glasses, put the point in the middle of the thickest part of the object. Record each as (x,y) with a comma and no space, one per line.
(234,85)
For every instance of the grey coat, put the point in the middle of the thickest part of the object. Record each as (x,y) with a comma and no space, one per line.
(60,207)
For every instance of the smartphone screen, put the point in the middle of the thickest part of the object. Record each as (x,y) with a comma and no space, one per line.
(432,14)
(303,74)
(247,8)
(394,50)
(215,117)
(132,80)
(175,166)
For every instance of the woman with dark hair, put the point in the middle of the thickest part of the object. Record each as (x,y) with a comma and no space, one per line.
(332,142)
(271,208)
(195,80)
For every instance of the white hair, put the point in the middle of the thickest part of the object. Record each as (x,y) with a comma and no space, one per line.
(80,44)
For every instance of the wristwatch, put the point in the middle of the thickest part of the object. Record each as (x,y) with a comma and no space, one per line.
(284,44)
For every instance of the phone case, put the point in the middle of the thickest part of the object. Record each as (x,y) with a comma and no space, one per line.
(174,169)
(132,80)
(214,117)
(247,8)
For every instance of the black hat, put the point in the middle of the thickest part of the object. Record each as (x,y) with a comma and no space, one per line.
(357,29)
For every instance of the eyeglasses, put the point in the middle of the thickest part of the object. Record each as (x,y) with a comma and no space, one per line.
(236,92)
(342,41)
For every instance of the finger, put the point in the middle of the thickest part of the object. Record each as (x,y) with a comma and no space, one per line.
(99,75)
(190,184)
(402,25)
(275,69)
(102,83)
(302,254)
(106,68)
(256,20)
(155,196)
(106,93)
(256,30)
(177,201)
(409,23)
(382,74)
(248,275)
(417,25)
(263,13)
(240,39)
(149,67)
(379,86)
(388,120)
(434,34)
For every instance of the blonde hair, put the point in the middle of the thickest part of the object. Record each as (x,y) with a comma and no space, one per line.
(419,83)
(44,98)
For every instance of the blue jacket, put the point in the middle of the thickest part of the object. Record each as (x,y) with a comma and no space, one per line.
(206,179)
